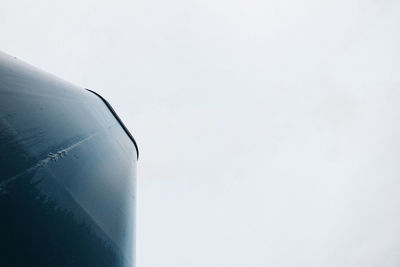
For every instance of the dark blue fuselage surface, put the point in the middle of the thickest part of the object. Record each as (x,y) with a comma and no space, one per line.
(67,174)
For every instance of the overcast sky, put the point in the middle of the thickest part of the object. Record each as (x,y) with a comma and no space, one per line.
(268,130)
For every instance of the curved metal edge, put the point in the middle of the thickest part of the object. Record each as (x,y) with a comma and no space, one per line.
(118,119)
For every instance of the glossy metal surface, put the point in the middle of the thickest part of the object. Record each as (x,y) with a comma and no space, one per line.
(67,174)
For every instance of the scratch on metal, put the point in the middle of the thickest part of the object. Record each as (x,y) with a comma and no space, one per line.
(51,156)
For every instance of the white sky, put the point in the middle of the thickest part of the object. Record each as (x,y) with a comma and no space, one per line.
(268,130)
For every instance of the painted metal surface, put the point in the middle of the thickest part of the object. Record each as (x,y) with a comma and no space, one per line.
(67,174)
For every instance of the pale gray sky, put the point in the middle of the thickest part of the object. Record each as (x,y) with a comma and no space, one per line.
(268,130)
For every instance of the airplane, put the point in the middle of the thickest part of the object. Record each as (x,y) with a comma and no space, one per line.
(67,173)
